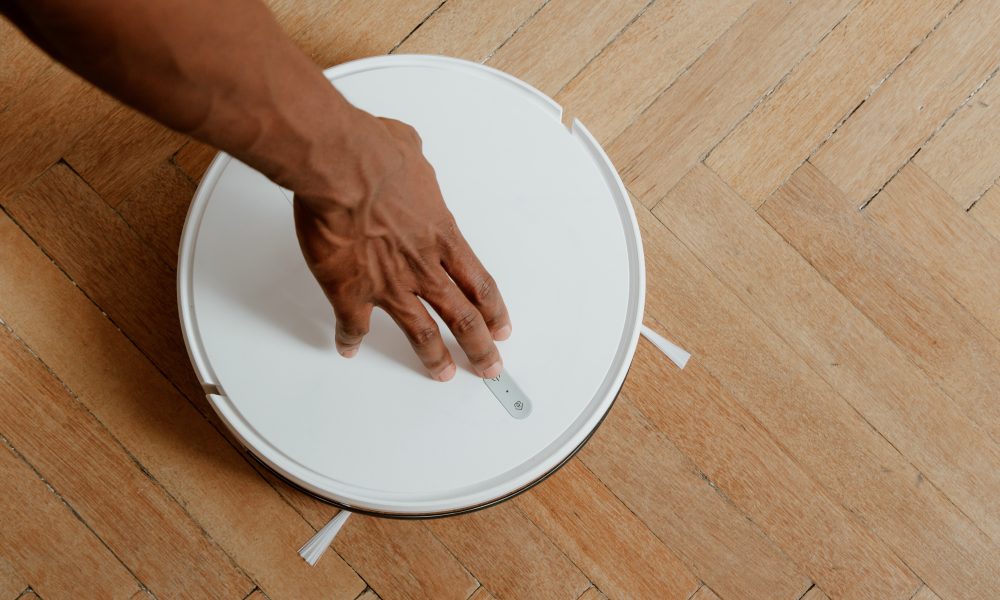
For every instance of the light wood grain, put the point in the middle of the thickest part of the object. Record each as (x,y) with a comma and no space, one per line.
(704,593)
(685,510)
(11,583)
(838,342)
(505,551)
(824,434)
(86,237)
(735,452)
(561,38)
(625,78)
(720,88)
(816,594)
(593,593)
(52,548)
(155,538)
(891,289)
(481,594)
(469,29)
(858,54)
(959,253)
(838,423)
(891,126)
(964,157)
(177,446)
(987,211)
(925,593)
(598,533)
(118,150)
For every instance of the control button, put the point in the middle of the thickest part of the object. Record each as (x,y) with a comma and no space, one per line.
(510,395)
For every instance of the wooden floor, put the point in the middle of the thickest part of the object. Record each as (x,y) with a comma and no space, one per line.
(817,186)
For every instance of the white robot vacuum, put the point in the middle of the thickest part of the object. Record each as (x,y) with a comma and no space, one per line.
(546,213)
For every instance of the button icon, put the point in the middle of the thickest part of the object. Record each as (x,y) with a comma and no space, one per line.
(518,405)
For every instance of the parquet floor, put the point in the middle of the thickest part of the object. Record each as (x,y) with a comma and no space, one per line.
(817,186)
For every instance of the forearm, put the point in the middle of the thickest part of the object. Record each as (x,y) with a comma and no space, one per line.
(223,72)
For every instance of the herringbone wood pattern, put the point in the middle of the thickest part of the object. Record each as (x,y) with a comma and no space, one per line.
(817,186)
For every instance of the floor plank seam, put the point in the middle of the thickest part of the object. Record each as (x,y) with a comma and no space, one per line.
(7,444)
(781,81)
(128,453)
(871,92)
(695,470)
(516,31)
(996,182)
(600,51)
(418,26)
(937,129)
(831,494)
(655,96)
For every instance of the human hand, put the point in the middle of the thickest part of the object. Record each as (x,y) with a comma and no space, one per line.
(387,239)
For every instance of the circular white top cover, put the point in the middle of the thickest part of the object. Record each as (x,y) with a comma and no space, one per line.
(548,216)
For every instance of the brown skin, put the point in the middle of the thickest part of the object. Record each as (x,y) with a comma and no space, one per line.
(370,218)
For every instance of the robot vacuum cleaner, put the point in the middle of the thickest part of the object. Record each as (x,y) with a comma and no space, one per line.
(546,213)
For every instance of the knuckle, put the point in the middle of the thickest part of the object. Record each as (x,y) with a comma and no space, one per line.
(423,335)
(485,289)
(486,357)
(353,329)
(465,323)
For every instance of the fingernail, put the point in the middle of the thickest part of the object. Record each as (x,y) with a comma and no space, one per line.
(493,370)
(502,333)
(349,352)
(446,373)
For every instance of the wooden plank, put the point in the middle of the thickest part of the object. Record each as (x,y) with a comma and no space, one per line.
(156,207)
(959,253)
(625,78)
(80,459)
(469,29)
(900,116)
(11,583)
(902,299)
(790,124)
(402,559)
(720,88)
(838,342)
(613,548)
(704,593)
(116,153)
(482,594)
(926,593)
(987,211)
(50,546)
(821,432)
(561,38)
(733,450)
(593,593)
(817,594)
(238,509)
(42,122)
(368,594)
(193,158)
(964,157)
(89,241)
(22,62)
(684,509)
(509,555)
(335,32)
